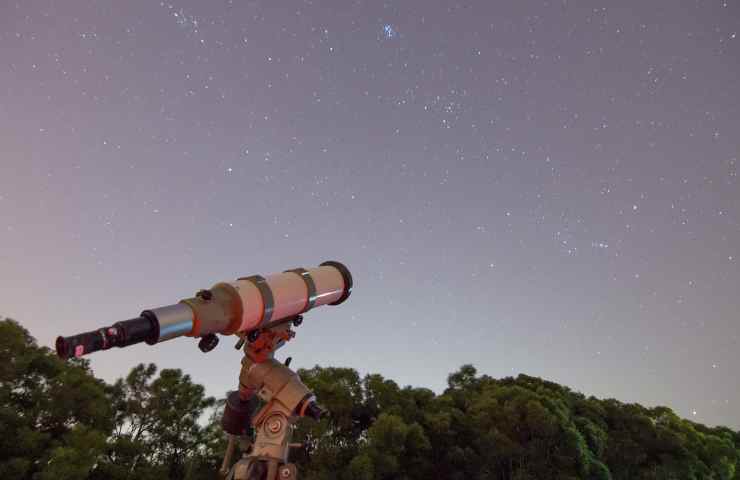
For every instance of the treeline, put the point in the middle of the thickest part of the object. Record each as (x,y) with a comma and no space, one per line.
(57,421)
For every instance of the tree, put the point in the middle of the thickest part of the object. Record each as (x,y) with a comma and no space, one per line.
(58,422)
(158,432)
(54,415)
(332,443)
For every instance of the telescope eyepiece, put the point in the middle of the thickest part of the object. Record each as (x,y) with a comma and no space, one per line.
(120,334)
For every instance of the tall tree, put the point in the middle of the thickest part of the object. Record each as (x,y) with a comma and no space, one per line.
(54,415)
(158,431)
(58,422)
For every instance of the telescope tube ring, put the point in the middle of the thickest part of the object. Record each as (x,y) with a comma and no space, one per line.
(268,301)
(310,287)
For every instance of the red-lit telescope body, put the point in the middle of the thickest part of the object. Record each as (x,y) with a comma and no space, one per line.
(252,302)
(293,292)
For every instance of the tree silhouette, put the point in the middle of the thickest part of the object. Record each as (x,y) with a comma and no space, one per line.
(57,421)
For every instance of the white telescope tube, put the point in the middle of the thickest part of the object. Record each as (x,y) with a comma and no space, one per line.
(252,302)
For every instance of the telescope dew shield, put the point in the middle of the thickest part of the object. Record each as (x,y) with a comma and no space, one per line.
(291,293)
(241,306)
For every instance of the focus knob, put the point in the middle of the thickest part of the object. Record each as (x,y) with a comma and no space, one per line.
(208,343)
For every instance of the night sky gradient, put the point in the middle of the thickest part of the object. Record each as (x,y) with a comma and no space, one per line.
(546,188)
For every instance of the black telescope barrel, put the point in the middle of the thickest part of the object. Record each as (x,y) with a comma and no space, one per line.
(83,343)
(120,334)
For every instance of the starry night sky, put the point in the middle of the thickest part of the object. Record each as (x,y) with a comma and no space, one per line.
(546,188)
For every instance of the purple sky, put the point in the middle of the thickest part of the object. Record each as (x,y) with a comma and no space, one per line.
(546,188)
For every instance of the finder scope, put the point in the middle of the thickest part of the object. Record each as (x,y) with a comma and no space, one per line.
(248,304)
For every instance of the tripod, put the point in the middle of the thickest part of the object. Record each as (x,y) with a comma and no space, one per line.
(286,399)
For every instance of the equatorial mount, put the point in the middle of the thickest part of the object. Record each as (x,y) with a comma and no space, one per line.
(264,435)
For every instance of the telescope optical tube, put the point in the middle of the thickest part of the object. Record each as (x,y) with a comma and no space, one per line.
(242,306)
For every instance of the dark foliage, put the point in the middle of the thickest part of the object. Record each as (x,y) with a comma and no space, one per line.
(59,422)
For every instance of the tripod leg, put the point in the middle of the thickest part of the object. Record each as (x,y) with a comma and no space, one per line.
(230,475)
(272,470)
(246,469)
(227,457)
(255,471)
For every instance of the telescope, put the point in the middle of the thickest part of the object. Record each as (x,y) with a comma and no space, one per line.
(244,307)
(260,311)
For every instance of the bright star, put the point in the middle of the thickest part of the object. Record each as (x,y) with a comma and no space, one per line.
(388,31)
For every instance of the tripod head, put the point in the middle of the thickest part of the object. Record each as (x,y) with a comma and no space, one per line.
(286,399)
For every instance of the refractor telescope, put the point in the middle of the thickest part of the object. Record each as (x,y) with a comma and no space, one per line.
(248,305)
(260,311)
